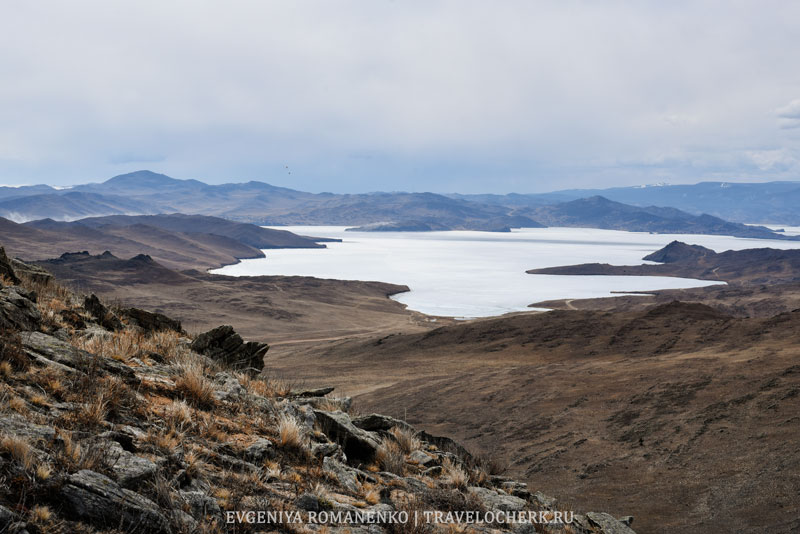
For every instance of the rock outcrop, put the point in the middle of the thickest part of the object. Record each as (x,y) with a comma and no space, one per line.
(226,346)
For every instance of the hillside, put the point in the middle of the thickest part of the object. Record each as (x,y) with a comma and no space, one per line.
(203,244)
(639,412)
(752,266)
(116,421)
(600,212)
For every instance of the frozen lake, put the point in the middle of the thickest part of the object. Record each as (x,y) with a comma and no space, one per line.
(479,274)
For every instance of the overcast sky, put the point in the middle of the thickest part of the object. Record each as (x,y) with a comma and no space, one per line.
(489,96)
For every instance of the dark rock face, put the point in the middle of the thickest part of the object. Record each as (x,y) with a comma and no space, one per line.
(18,310)
(359,445)
(152,321)
(99,500)
(225,345)
(377,422)
(6,269)
(33,272)
(104,317)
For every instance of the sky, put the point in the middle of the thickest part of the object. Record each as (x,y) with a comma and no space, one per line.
(443,96)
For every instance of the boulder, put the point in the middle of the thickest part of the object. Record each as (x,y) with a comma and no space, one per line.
(16,425)
(497,502)
(228,388)
(260,450)
(102,315)
(225,345)
(6,269)
(18,310)
(422,458)
(153,321)
(375,422)
(98,500)
(129,470)
(31,272)
(200,504)
(359,445)
(343,474)
(608,524)
(447,445)
(318,392)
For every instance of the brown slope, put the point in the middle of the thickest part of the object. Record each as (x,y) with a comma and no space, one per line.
(48,239)
(681,415)
(752,266)
(269,308)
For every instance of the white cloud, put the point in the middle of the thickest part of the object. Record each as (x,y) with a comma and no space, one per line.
(442,92)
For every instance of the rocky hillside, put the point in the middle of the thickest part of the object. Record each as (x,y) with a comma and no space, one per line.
(114,420)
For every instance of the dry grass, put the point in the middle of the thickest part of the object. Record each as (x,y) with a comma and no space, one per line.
(11,351)
(165,443)
(129,343)
(194,386)
(72,457)
(407,439)
(17,404)
(390,457)
(290,433)
(20,450)
(455,475)
(264,386)
(6,370)
(178,415)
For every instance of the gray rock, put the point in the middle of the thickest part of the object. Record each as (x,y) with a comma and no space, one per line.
(608,524)
(152,321)
(262,449)
(182,521)
(129,470)
(16,425)
(18,310)
(343,404)
(545,502)
(434,471)
(225,345)
(319,392)
(626,520)
(447,445)
(7,517)
(358,445)
(321,450)
(375,422)
(32,272)
(6,269)
(422,458)
(97,499)
(495,501)
(228,388)
(201,504)
(342,473)
(102,315)
(47,349)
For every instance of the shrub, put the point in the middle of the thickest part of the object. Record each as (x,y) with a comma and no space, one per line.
(390,457)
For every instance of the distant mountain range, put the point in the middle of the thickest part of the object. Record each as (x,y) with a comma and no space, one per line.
(634,209)
(764,203)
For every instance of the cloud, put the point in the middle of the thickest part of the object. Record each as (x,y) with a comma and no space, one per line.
(419,95)
(789,115)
